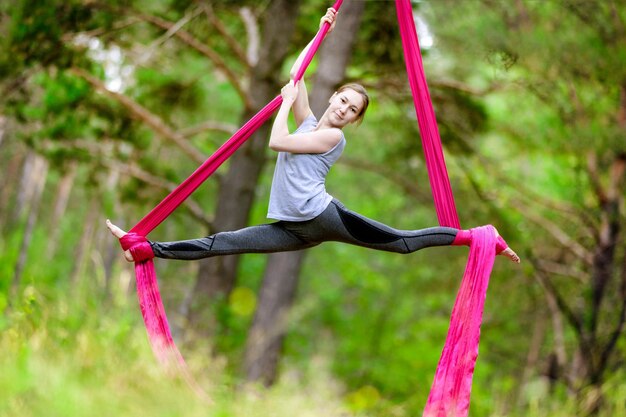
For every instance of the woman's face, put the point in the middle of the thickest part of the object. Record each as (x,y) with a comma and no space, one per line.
(345,107)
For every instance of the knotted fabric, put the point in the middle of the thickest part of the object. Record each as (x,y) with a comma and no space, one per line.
(450,392)
(138,246)
(148,293)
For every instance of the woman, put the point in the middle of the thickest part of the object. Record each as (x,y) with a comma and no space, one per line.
(307,215)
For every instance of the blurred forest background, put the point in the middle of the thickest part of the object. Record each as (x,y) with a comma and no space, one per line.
(107,105)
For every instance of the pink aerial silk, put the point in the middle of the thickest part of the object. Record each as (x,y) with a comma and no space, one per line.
(450,392)
(148,293)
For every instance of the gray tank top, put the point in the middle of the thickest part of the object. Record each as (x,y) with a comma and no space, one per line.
(298,189)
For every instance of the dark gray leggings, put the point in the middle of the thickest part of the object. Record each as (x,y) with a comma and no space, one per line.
(336,223)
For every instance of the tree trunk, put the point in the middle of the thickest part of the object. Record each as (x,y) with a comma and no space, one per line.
(28,186)
(35,179)
(3,124)
(7,188)
(534,352)
(216,276)
(83,250)
(110,248)
(266,336)
(62,197)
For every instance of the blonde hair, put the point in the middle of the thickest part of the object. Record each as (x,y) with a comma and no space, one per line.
(363,92)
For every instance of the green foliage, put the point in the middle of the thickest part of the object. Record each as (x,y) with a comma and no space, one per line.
(35,35)
(57,108)
(381,50)
(520,101)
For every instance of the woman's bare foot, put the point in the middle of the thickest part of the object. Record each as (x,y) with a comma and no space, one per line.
(509,253)
(119,233)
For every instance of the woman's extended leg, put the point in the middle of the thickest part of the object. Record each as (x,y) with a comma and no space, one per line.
(255,239)
(337,223)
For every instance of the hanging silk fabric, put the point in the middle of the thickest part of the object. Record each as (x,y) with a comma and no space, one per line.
(450,392)
(148,293)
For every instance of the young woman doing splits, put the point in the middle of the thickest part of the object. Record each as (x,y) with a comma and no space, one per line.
(306,214)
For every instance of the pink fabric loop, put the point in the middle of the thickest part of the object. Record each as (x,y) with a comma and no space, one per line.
(138,246)
(463,238)
(131,239)
(142,252)
(500,244)
(147,286)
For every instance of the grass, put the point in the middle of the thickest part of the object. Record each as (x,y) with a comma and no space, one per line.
(59,359)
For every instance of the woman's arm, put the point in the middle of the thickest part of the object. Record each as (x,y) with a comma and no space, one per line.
(319,141)
(301,107)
